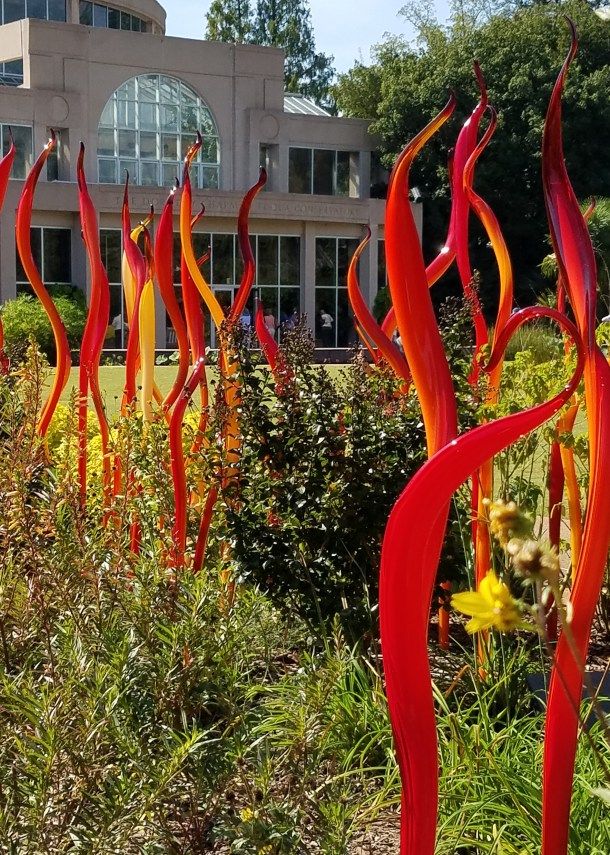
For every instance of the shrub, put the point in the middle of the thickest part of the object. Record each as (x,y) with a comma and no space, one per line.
(24,319)
(324,460)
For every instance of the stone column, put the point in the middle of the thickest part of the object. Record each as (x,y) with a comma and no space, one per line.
(308,274)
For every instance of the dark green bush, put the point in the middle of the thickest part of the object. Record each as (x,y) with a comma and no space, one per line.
(324,460)
(24,318)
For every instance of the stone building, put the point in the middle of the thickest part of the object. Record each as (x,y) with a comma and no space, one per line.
(109,76)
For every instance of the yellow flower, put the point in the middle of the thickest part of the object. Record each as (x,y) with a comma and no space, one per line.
(491,606)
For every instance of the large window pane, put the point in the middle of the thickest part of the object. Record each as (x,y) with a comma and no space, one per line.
(206,122)
(110,243)
(105,142)
(14,10)
(169,145)
(125,21)
(169,90)
(86,13)
(118,316)
(209,177)
(326,316)
(209,151)
(239,265)
(171,171)
(37,9)
(57,10)
(131,167)
(343,169)
(107,171)
(323,171)
(148,88)
(127,91)
(57,254)
(149,174)
(299,170)
(36,244)
(169,118)
(127,143)
(148,146)
(114,19)
(100,15)
(11,73)
(126,114)
(326,262)
(290,261)
(189,118)
(346,333)
(222,260)
(107,119)
(268,272)
(23,148)
(346,248)
(290,307)
(149,116)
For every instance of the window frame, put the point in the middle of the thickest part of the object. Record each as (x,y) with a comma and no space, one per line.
(337,288)
(280,288)
(11,78)
(28,164)
(132,110)
(135,23)
(27,13)
(20,283)
(313,150)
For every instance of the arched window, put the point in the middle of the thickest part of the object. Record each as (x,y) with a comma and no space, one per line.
(146,129)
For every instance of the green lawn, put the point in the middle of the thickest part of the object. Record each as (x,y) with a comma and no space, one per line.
(112,380)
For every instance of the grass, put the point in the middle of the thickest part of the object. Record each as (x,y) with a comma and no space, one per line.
(112,381)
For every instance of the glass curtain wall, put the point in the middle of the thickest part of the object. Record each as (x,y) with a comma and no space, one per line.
(334,324)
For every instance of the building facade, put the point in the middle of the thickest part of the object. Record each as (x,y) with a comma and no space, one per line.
(109,76)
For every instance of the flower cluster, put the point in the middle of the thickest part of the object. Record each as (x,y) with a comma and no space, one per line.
(493,605)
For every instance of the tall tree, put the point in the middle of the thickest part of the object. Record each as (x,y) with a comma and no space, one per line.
(287,24)
(279,23)
(520,53)
(230,21)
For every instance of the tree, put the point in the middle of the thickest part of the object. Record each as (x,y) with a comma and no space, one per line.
(287,24)
(520,53)
(279,23)
(229,21)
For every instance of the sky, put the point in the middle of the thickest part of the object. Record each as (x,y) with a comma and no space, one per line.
(344,28)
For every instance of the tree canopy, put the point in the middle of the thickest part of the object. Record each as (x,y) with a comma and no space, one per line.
(280,23)
(229,21)
(520,49)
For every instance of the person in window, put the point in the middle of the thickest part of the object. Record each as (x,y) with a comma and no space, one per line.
(326,328)
(293,321)
(269,319)
(117,326)
(246,320)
